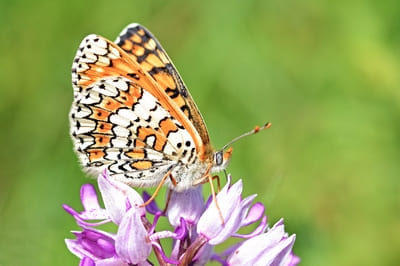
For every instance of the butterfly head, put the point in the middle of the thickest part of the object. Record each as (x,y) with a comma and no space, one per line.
(221,159)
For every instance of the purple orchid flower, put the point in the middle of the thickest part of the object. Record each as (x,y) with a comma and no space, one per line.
(196,228)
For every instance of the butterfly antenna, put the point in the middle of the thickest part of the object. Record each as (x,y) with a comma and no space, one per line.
(255,130)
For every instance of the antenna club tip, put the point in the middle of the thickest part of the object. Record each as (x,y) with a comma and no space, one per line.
(267,125)
(257,128)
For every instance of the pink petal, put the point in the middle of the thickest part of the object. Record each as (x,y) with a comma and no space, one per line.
(210,224)
(132,241)
(89,198)
(270,248)
(115,194)
(188,205)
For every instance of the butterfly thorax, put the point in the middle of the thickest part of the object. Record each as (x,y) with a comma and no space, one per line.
(193,174)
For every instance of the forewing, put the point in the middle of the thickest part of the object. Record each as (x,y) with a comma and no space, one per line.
(98,58)
(120,126)
(144,48)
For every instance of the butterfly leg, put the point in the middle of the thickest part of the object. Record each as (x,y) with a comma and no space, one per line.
(168,199)
(167,175)
(218,182)
(209,178)
(205,179)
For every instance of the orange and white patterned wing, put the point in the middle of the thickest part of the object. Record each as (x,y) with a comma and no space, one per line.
(123,121)
(144,48)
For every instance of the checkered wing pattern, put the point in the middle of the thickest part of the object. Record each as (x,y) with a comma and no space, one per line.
(144,48)
(122,120)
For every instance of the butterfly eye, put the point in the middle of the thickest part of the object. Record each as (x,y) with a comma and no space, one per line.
(219,158)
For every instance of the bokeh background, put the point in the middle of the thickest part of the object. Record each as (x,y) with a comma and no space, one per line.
(325,73)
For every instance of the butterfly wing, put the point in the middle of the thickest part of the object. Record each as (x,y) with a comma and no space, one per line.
(144,48)
(121,120)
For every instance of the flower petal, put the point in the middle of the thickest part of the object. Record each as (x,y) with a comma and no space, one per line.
(228,200)
(83,217)
(255,213)
(76,248)
(270,248)
(179,233)
(233,223)
(114,195)
(111,262)
(259,229)
(89,198)
(152,207)
(293,260)
(233,209)
(188,205)
(132,241)
(100,244)
(280,254)
(85,261)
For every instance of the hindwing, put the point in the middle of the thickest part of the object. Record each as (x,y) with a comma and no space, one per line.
(118,125)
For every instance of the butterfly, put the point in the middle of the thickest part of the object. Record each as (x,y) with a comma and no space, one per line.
(133,115)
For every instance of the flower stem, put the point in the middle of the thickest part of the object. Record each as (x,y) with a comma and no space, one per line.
(192,250)
(157,252)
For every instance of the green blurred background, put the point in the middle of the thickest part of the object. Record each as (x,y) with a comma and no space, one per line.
(325,73)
